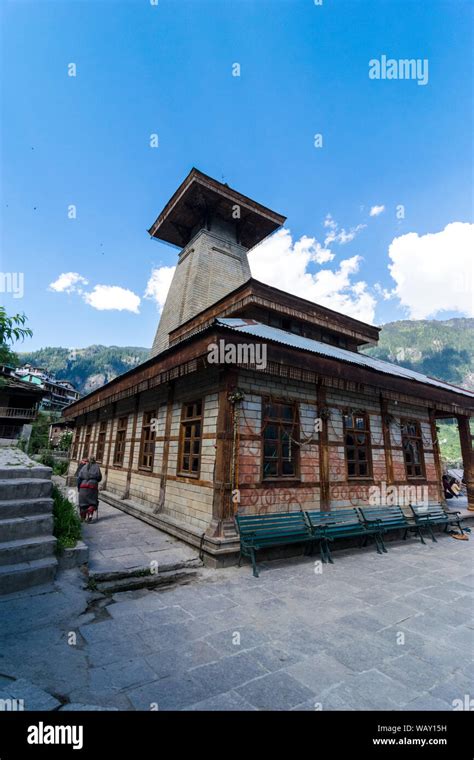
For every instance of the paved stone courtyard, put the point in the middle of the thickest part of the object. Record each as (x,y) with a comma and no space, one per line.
(371,632)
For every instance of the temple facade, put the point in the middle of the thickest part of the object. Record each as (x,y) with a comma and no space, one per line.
(254,399)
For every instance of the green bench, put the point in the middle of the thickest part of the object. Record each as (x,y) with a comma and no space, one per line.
(386,519)
(272,529)
(342,523)
(435,514)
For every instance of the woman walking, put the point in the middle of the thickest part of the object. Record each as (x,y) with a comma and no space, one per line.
(88,481)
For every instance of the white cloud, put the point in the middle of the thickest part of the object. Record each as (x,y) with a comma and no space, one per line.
(68,282)
(112,298)
(376,210)
(434,272)
(284,264)
(339,235)
(158,284)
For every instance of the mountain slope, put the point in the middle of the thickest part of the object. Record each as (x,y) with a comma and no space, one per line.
(87,368)
(441,349)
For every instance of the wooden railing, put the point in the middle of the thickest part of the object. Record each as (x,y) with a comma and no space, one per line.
(11,411)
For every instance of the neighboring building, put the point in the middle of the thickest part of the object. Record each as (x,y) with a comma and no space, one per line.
(255,399)
(19,402)
(58,393)
(57,430)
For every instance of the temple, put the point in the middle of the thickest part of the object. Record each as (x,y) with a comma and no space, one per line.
(184,442)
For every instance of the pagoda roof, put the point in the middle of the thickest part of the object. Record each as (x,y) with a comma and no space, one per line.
(199,197)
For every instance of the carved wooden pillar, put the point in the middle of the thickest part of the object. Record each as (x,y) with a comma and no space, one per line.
(166,448)
(132,448)
(467,458)
(222,505)
(387,442)
(437,456)
(111,443)
(324,485)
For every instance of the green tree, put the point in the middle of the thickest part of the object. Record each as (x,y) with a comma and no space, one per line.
(12,329)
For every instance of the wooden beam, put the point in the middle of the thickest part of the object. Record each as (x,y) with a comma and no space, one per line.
(132,448)
(223,508)
(325,503)
(166,448)
(437,456)
(387,441)
(465,438)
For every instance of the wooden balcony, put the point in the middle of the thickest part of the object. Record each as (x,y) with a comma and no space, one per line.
(18,414)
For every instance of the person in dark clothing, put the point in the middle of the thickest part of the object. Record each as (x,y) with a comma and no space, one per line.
(449,493)
(79,468)
(88,481)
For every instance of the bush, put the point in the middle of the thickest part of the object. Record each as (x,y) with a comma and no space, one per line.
(67,524)
(46,458)
(60,468)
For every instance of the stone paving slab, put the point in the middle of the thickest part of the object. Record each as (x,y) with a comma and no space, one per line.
(370,632)
(119,542)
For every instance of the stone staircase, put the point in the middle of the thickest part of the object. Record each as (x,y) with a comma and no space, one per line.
(27,544)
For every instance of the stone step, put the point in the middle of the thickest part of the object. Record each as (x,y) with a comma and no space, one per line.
(24,488)
(140,572)
(21,575)
(16,528)
(25,507)
(134,582)
(27,550)
(13,473)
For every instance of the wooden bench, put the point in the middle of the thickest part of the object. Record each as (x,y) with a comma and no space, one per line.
(385,519)
(341,523)
(435,514)
(272,529)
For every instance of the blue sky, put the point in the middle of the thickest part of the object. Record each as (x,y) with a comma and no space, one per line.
(167,69)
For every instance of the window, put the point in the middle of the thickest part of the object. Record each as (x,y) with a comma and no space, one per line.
(87,442)
(119,449)
(99,455)
(190,439)
(357,445)
(412,444)
(75,448)
(147,445)
(280,448)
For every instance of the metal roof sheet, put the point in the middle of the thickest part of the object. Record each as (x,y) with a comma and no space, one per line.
(265,332)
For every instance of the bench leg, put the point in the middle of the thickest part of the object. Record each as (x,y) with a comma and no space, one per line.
(254,563)
(405,534)
(240,559)
(328,554)
(430,528)
(322,551)
(419,532)
(381,544)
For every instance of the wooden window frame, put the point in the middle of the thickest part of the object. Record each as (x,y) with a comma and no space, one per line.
(281,422)
(120,441)
(101,441)
(76,443)
(195,418)
(87,442)
(367,446)
(408,437)
(146,456)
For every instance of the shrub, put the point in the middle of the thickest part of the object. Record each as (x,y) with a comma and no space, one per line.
(60,468)
(46,458)
(67,524)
